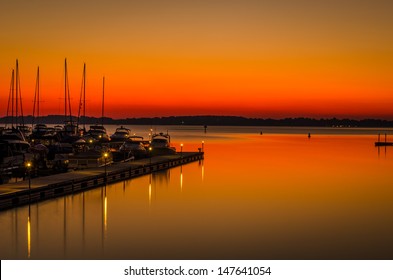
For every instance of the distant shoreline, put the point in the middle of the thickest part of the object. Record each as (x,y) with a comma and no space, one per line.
(210,120)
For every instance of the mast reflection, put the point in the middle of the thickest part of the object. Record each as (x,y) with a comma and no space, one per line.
(104,216)
(65,227)
(150,190)
(379,151)
(83,220)
(201,163)
(28,235)
(181,177)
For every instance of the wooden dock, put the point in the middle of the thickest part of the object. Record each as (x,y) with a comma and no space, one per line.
(47,187)
(380,143)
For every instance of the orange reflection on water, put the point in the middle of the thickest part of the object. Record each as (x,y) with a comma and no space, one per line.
(28,238)
(261,197)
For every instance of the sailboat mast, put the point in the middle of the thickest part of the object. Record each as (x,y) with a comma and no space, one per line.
(11,98)
(84,96)
(35,99)
(16,92)
(67,97)
(103,99)
(82,99)
(38,93)
(69,100)
(22,122)
(65,89)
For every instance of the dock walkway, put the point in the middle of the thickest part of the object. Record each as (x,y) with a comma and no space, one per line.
(46,187)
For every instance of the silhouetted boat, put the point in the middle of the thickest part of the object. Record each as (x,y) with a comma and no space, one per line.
(121,134)
(97,133)
(135,146)
(90,159)
(58,154)
(12,134)
(14,152)
(26,130)
(161,144)
(70,131)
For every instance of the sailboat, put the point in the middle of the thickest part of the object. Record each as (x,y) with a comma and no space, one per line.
(69,133)
(99,153)
(97,132)
(20,124)
(41,133)
(17,129)
(82,103)
(161,144)
(14,149)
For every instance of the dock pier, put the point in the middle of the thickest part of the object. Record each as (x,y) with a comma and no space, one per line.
(47,187)
(383,143)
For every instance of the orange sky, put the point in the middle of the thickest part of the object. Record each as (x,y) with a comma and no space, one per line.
(253,58)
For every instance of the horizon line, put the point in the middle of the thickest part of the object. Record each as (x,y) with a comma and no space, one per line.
(208,115)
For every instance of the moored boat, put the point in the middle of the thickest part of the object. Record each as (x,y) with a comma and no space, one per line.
(97,133)
(90,159)
(26,130)
(121,134)
(161,144)
(14,152)
(135,146)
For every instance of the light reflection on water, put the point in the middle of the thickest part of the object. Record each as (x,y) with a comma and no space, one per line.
(270,196)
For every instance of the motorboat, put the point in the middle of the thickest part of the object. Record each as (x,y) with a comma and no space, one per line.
(58,155)
(134,146)
(97,133)
(42,134)
(121,134)
(12,134)
(14,152)
(90,158)
(40,129)
(161,144)
(69,133)
(26,130)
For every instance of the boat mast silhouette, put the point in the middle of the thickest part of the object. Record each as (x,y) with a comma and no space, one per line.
(67,97)
(82,100)
(103,99)
(36,103)
(15,98)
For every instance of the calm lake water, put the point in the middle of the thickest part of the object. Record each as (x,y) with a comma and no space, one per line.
(279,195)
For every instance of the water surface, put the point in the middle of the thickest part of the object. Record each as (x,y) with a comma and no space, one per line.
(279,195)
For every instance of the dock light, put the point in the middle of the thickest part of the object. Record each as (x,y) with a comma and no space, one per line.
(181,150)
(105,157)
(150,149)
(29,165)
(203,146)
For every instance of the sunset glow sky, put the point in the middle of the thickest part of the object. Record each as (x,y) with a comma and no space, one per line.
(254,58)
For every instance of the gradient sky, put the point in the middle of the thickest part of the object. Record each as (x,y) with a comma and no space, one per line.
(254,58)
